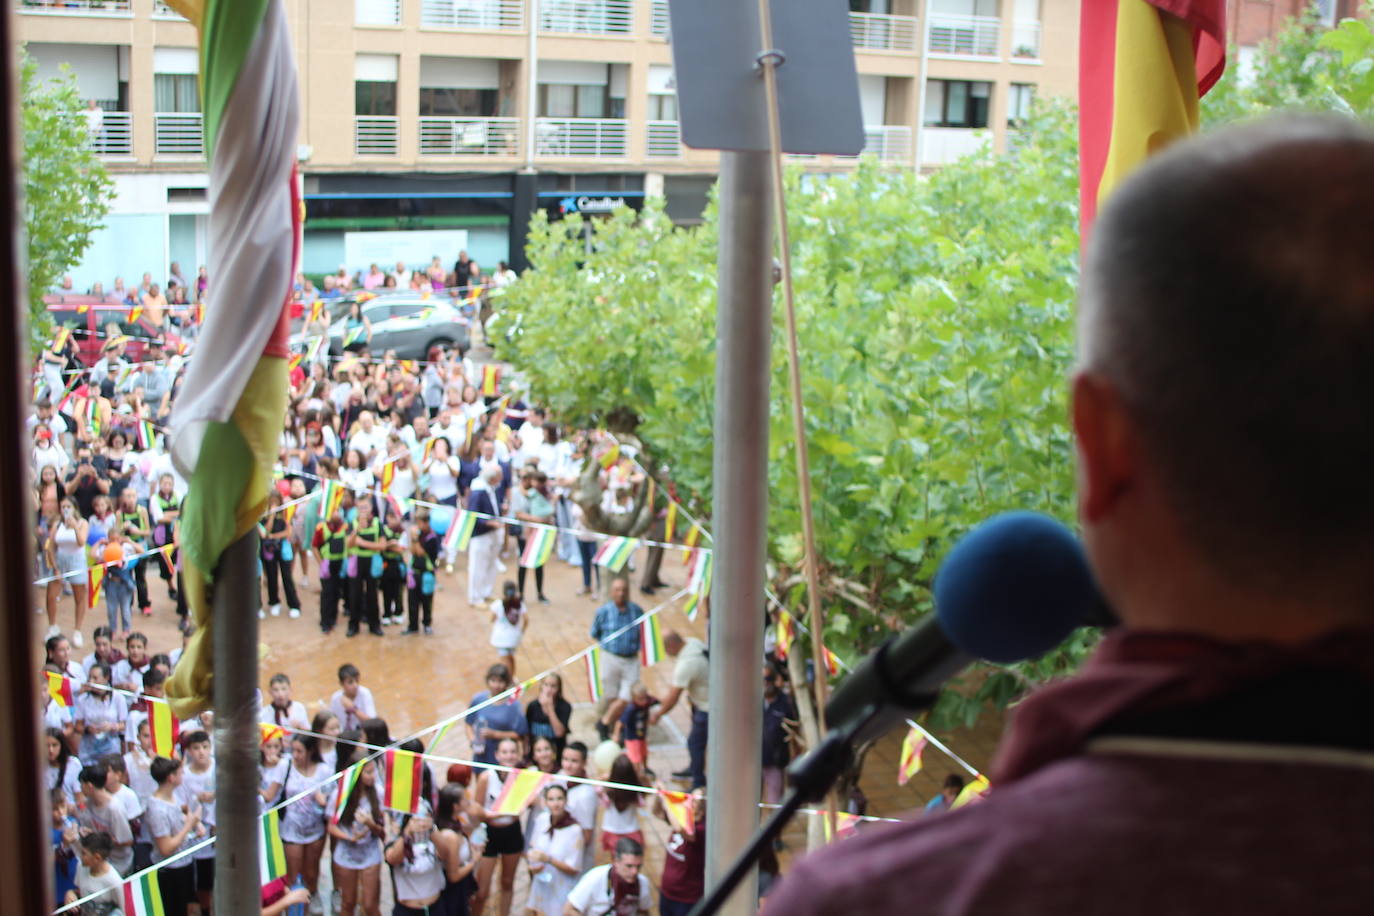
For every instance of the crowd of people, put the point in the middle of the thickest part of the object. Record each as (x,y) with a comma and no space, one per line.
(377,459)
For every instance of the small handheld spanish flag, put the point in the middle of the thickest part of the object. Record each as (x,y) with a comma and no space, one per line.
(786,634)
(518,790)
(975,791)
(910,762)
(60,689)
(679,806)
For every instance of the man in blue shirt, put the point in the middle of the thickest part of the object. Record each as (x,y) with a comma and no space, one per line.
(619,651)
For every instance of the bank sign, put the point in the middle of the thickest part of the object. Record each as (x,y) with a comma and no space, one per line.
(587,204)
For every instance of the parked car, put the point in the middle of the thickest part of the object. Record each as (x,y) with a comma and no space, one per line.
(407,323)
(90,327)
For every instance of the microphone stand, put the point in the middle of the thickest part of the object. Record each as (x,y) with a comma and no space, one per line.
(811,777)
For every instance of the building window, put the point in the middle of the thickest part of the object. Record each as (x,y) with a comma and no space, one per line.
(663,107)
(374,98)
(561,100)
(1019,101)
(175,92)
(457,103)
(957,103)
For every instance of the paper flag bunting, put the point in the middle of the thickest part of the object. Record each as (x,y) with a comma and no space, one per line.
(614,552)
(975,791)
(539,547)
(593,660)
(345,789)
(163,728)
(404,775)
(651,641)
(143,896)
(271,852)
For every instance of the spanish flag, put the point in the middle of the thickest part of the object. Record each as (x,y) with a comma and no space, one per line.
(786,633)
(518,790)
(60,689)
(679,806)
(404,776)
(846,825)
(975,791)
(95,579)
(163,728)
(1143,66)
(910,763)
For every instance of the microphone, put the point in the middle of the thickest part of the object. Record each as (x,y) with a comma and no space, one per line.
(1011,589)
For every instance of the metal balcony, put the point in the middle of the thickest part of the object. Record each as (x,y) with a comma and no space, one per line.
(473,15)
(881,32)
(587,17)
(178,134)
(965,36)
(469,136)
(374,135)
(581,138)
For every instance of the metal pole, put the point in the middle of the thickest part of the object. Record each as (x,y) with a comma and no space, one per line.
(532,83)
(740,514)
(921,85)
(235,630)
(24,812)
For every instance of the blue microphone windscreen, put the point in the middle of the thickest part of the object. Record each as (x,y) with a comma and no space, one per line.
(1015,587)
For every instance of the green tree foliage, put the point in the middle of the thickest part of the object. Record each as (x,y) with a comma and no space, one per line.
(67,191)
(1305,67)
(935,318)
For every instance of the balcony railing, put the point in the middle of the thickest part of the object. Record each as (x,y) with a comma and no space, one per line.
(941,145)
(658,21)
(965,36)
(1025,40)
(178,134)
(163,11)
(581,138)
(469,136)
(76,7)
(881,32)
(887,143)
(473,15)
(377,12)
(587,17)
(374,135)
(116,135)
(663,140)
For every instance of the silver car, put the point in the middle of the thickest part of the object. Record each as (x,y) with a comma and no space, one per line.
(406,323)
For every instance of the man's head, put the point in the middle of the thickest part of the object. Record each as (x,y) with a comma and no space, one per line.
(93,778)
(574,759)
(673,642)
(629,856)
(1227,347)
(620,591)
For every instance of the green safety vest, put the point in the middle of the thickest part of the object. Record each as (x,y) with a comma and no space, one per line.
(391,534)
(373,532)
(334,546)
(125,517)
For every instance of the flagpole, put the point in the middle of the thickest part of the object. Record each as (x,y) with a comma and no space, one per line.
(740,513)
(235,630)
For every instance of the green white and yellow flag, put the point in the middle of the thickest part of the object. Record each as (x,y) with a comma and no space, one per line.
(143,896)
(271,852)
(228,416)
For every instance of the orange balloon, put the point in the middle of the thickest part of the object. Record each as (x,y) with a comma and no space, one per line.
(114,553)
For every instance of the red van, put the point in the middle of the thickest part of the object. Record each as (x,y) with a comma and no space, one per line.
(90,327)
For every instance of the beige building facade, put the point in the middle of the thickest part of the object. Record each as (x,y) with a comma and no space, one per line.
(464,115)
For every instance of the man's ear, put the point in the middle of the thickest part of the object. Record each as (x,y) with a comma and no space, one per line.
(1105,443)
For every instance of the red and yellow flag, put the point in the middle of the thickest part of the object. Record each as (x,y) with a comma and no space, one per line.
(518,790)
(95,578)
(135,313)
(846,825)
(404,776)
(910,762)
(163,728)
(609,457)
(670,523)
(271,730)
(975,791)
(1143,66)
(491,380)
(679,807)
(787,632)
(832,661)
(388,475)
(60,689)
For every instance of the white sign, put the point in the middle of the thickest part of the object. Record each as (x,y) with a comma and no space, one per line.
(415,247)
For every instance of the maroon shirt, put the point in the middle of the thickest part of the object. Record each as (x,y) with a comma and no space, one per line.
(684,865)
(1171,777)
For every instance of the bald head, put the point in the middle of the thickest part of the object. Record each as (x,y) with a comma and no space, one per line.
(1228,303)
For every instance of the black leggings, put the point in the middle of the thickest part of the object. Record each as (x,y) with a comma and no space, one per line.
(272,567)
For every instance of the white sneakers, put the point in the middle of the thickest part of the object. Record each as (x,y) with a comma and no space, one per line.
(294,613)
(77,639)
(276,610)
(53,630)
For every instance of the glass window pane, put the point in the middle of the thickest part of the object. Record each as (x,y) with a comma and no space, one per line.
(591,101)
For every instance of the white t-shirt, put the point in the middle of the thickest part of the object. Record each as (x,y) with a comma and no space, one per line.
(107,884)
(295,717)
(368,442)
(594,894)
(504,634)
(363,707)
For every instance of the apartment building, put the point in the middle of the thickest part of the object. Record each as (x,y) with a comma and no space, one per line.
(430,124)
